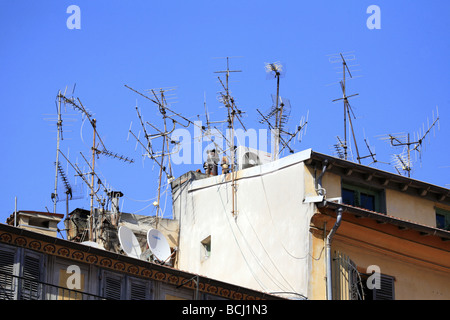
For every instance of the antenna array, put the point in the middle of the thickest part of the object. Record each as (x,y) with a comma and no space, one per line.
(168,146)
(348,111)
(278,115)
(98,148)
(402,162)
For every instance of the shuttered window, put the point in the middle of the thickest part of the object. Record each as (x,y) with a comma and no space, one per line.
(350,284)
(386,291)
(112,286)
(6,272)
(138,290)
(31,273)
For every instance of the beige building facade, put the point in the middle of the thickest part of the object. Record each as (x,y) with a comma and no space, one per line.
(311,226)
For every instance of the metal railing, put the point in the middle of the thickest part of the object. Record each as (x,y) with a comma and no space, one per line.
(14,287)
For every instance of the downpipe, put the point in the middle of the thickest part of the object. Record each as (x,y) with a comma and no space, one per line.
(319,189)
(328,252)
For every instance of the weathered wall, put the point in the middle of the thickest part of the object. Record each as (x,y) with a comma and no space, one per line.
(266,245)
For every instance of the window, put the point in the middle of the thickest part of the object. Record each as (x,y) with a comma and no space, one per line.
(112,285)
(386,290)
(7,257)
(30,288)
(138,290)
(363,197)
(442,219)
(206,248)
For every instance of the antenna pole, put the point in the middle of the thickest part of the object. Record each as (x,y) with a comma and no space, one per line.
(58,137)
(91,217)
(277,119)
(409,157)
(347,109)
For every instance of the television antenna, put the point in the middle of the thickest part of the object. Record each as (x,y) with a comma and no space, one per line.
(210,131)
(168,146)
(59,138)
(279,114)
(98,148)
(233,113)
(70,192)
(417,143)
(348,111)
(371,154)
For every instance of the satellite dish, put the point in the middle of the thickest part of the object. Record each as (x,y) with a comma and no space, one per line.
(158,245)
(129,242)
(93,244)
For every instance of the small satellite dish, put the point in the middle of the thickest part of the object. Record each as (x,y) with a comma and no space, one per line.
(129,242)
(93,244)
(158,245)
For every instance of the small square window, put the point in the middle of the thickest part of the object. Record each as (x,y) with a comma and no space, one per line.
(442,219)
(206,248)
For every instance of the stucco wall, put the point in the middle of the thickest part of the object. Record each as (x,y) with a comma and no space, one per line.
(266,245)
(412,280)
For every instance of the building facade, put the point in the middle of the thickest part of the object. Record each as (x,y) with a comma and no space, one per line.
(35,266)
(311,226)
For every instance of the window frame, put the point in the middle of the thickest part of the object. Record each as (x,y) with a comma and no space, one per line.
(358,189)
(446,214)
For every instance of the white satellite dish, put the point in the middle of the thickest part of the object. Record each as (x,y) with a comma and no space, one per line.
(158,245)
(129,242)
(92,244)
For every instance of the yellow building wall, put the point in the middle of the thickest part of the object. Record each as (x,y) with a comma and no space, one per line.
(413,208)
(398,204)
(413,280)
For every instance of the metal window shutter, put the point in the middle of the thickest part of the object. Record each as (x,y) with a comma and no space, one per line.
(6,269)
(138,291)
(386,291)
(32,273)
(112,287)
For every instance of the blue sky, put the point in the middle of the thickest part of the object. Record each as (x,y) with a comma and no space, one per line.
(402,74)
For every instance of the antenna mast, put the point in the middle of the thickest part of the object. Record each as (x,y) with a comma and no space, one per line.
(160,99)
(58,138)
(281,111)
(78,106)
(347,110)
(405,162)
(233,113)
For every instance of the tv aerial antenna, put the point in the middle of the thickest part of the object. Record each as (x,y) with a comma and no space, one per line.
(168,146)
(210,132)
(371,154)
(403,161)
(279,114)
(233,112)
(348,111)
(98,148)
(59,138)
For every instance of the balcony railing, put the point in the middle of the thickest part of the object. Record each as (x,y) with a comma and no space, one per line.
(13,287)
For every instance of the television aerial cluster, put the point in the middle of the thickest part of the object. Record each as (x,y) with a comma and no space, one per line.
(403,162)
(278,116)
(98,148)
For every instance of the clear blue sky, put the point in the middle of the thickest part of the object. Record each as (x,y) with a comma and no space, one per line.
(403,74)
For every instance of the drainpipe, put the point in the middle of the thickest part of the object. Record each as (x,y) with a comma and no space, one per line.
(328,252)
(319,188)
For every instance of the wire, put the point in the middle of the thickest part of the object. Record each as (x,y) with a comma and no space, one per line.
(257,259)
(281,274)
(270,213)
(239,247)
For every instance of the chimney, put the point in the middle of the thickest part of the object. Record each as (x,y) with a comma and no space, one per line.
(114,196)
